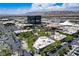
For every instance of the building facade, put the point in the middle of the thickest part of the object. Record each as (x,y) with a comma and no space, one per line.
(34,19)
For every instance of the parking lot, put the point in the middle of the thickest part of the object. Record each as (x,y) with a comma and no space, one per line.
(75,52)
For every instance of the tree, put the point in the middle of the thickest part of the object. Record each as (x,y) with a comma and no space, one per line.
(6,52)
(70,47)
(41,32)
(57,44)
(61,53)
(69,38)
(47,34)
(65,51)
(52,47)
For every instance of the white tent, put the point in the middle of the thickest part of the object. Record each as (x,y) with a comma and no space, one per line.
(66,23)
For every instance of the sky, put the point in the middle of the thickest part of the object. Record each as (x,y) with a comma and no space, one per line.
(21,8)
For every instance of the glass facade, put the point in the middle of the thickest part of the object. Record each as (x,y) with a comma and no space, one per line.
(34,19)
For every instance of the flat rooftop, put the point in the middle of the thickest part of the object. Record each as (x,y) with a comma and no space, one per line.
(42,42)
(59,36)
(70,30)
(19,31)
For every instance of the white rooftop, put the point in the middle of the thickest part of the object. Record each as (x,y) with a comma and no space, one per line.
(66,23)
(69,23)
(19,31)
(20,24)
(42,42)
(70,30)
(5,19)
(77,25)
(59,36)
(8,22)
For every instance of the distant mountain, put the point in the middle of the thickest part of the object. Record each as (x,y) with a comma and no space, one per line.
(44,13)
(52,13)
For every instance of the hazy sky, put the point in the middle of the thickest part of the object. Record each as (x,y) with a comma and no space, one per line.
(20,8)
